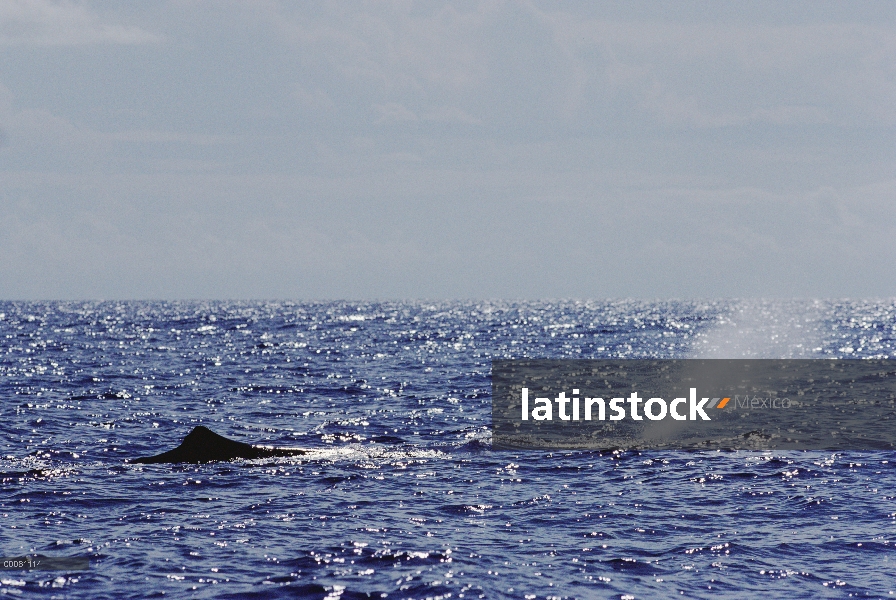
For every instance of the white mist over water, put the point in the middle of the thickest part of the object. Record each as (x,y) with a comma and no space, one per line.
(765,329)
(752,329)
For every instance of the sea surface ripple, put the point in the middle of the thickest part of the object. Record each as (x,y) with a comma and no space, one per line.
(401,495)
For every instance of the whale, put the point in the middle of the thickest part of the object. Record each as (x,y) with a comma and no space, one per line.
(202,445)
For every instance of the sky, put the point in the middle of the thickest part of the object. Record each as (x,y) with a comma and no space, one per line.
(433,150)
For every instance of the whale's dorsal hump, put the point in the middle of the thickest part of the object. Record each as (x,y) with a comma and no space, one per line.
(203,445)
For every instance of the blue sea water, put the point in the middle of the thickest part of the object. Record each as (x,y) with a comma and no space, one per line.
(400,494)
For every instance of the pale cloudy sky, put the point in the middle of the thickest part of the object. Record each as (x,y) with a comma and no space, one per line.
(447,150)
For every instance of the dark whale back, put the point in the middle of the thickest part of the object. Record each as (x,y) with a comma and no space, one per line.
(203,445)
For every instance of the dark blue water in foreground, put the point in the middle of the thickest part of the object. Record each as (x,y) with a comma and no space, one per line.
(401,495)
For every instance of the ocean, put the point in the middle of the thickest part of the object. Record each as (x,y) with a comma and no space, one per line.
(400,494)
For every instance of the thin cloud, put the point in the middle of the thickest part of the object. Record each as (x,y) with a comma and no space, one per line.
(393,112)
(169,137)
(450,114)
(46,23)
(43,128)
